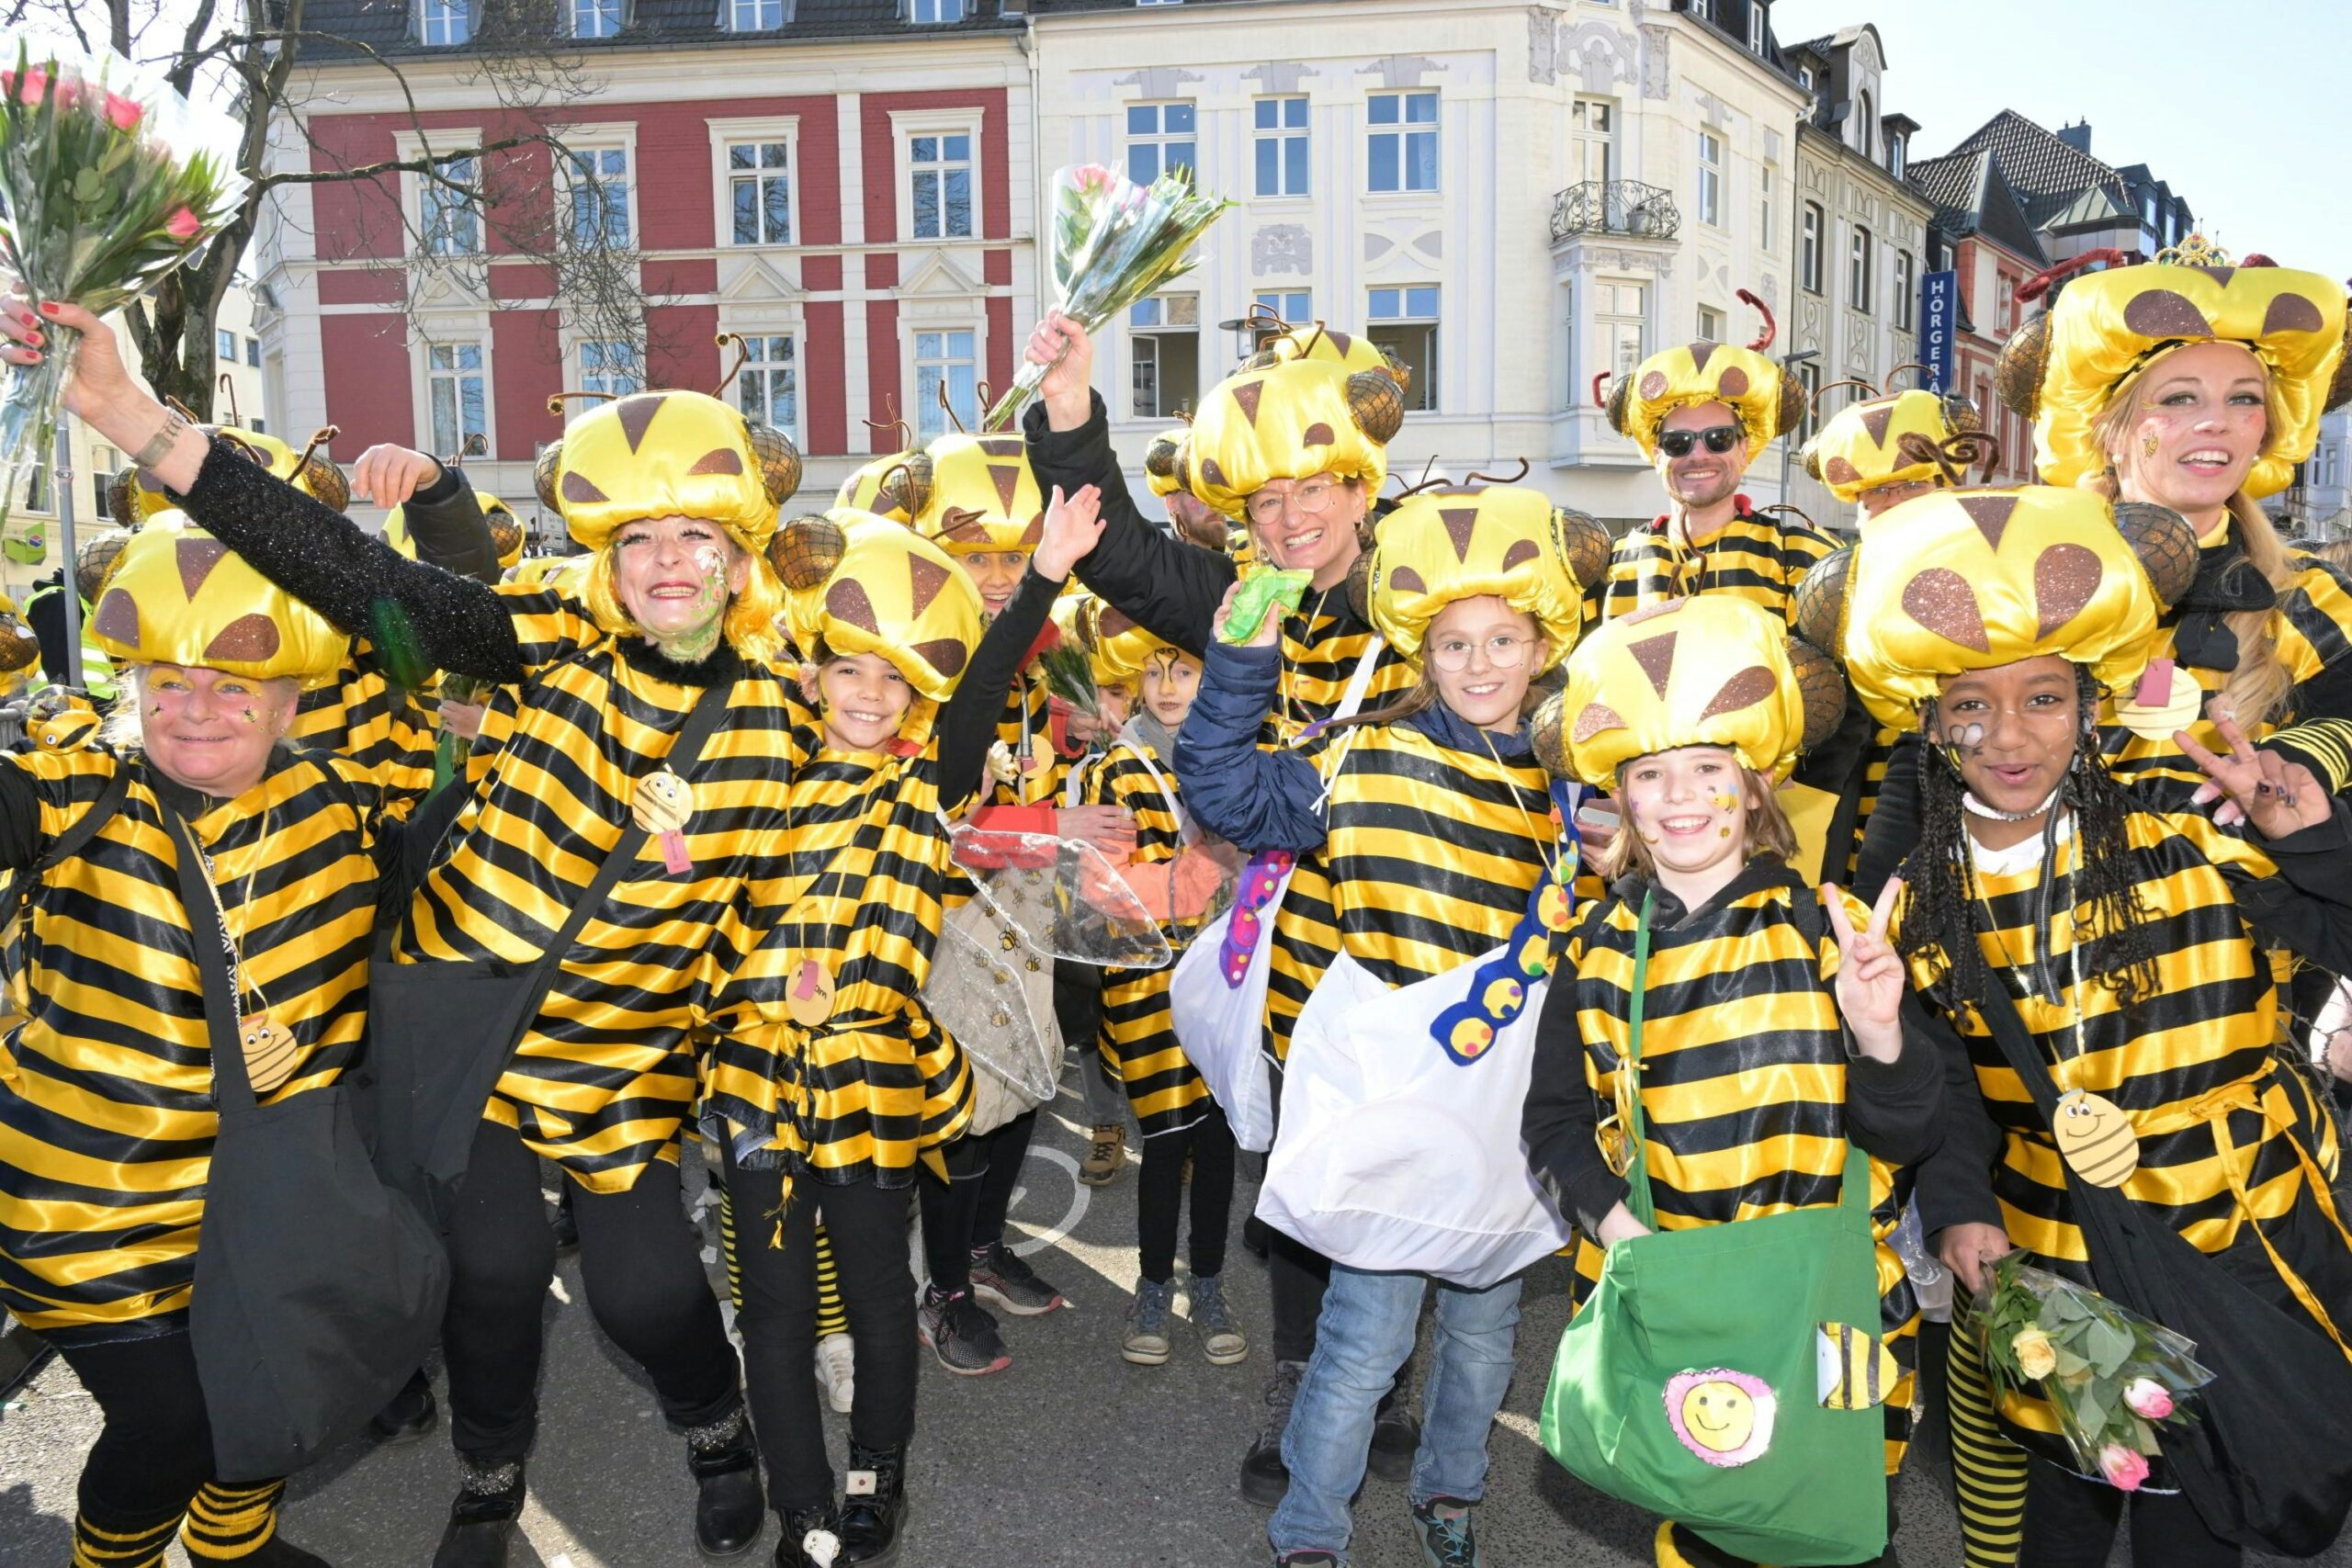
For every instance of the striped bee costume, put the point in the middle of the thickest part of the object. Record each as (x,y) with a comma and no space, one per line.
(1138,1037)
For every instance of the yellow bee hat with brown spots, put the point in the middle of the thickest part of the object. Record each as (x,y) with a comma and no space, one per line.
(505,530)
(671,453)
(1117,647)
(974,494)
(857,583)
(1466,541)
(885,485)
(1289,421)
(2105,329)
(177,595)
(1864,446)
(1766,402)
(1711,670)
(133,496)
(1977,579)
(1343,349)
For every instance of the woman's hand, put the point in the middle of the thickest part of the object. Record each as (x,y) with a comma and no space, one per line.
(461,720)
(1068,388)
(1969,1251)
(101,380)
(1073,527)
(2278,796)
(1619,1225)
(1110,829)
(389,474)
(1869,973)
(1269,629)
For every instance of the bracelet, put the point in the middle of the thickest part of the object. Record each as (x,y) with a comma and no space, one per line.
(159,445)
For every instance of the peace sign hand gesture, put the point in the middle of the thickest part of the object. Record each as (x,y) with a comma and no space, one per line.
(1869,973)
(2278,796)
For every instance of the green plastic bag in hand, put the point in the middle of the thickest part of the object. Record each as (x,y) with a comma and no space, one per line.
(1261,589)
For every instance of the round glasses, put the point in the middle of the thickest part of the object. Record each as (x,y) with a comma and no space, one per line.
(1453,654)
(1311,499)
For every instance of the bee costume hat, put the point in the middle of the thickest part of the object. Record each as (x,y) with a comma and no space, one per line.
(132,497)
(1289,421)
(970,494)
(1766,402)
(1890,440)
(1463,542)
(505,530)
(857,583)
(177,595)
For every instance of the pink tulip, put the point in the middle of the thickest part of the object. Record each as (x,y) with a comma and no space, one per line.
(35,86)
(183,225)
(124,113)
(2148,1399)
(69,92)
(2124,1468)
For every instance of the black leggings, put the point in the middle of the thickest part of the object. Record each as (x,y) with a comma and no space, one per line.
(966,1214)
(152,1465)
(2071,1523)
(1295,1275)
(1160,1196)
(776,1311)
(640,1262)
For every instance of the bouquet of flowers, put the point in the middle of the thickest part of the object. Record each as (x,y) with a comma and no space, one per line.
(1115,241)
(2112,1376)
(111,180)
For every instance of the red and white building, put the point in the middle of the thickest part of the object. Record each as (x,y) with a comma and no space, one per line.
(842,182)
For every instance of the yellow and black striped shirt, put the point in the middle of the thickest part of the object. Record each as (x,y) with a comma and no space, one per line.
(1321,645)
(1760,560)
(368,718)
(106,1115)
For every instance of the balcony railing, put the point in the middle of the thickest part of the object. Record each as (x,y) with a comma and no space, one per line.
(1615,207)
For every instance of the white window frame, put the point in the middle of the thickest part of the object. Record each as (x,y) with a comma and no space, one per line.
(469,333)
(1605,322)
(619,139)
(1906,289)
(1861,269)
(905,126)
(728,132)
(577,374)
(1768,177)
(407,145)
(455,19)
(731,13)
(1583,139)
(1277,299)
(1402,131)
(1812,268)
(1712,323)
(1282,135)
(1158,335)
(1423,396)
(932,12)
(1710,195)
(922,407)
(1159,139)
(793,329)
(1755,26)
(574,9)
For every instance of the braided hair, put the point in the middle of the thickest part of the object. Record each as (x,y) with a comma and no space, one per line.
(1944,922)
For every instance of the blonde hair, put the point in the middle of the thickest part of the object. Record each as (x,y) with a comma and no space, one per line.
(2336,553)
(1765,830)
(751,623)
(2259,683)
(123,728)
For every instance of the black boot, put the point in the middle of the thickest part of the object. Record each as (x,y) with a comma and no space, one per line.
(489,1499)
(276,1552)
(875,1511)
(799,1524)
(1396,1431)
(1264,1477)
(729,1507)
(409,1415)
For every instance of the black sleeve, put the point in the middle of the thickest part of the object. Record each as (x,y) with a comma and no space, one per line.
(1893,826)
(360,583)
(1955,1181)
(2307,908)
(45,612)
(1893,1110)
(450,532)
(1170,587)
(19,818)
(1560,1120)
(967,719)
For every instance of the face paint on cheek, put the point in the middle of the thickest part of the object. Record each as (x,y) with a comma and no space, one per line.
(1726,802)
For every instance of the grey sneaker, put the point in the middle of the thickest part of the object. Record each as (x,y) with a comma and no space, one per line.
(961,1334)
(1221,1338)
(1443,1527)
(1147,1341)
(1002,1278)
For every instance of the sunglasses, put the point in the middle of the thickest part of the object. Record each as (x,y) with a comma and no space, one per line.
(1719,439)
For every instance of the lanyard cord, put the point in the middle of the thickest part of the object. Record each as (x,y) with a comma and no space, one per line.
(228,943)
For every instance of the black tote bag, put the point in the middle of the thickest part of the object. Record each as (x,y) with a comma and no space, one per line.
(318,1288)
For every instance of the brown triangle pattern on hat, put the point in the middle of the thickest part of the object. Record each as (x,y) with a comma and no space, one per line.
(1002,445)
(636,412)
(247,639)
(925,578)
(580,489)
(1247,396)
(2160,312)
(1034,535)
(1651,611)
(1114,622)
(1839,471)
(2220,275)
(719,460)
(1940,600)
(1655,656)
(117,618)
(2290,313)
(2065,578)
(846,601)
(1701,352)
(1007,479)
(1745,690)
(196,559)
(1211,473)
(1596,717)
(1990,514)
(1460,522)
(1875,419)
(945,654)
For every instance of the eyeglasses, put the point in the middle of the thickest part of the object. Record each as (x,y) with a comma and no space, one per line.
(1719,438)
(1311,499)
(1453,654)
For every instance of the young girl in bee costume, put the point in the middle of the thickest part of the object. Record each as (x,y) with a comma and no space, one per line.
(2089,963)
(1761,1055)
(830,1079)
(1430,824)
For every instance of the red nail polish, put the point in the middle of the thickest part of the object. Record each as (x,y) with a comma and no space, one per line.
(49,310)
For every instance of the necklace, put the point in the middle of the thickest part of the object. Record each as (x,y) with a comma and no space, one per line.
(268,1046)
(1993,813)
(1293,720)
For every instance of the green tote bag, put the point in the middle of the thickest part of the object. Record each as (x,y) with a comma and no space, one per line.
(1690,1385)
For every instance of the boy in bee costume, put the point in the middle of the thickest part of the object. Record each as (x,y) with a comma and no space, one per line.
(1476,590)
(113,1071)
(2121,1056)
(1752,1081)
(829,1079)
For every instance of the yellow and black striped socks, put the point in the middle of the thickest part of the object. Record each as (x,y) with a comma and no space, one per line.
(229,1524)
(111,1543)
(832,1317)
(1988,1470)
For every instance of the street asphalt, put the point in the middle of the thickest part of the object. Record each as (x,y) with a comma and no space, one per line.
(1071,1459)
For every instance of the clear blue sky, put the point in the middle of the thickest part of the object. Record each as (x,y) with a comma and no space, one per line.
(2243,109)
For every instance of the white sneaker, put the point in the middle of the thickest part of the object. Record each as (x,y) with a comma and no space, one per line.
(836,1362)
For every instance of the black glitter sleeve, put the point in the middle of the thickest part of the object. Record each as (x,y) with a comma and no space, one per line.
(420,617)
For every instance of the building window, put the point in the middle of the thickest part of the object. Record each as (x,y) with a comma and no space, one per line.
(935,10)
(2005,308)
(1589,125)
(759,190)
(946,361)
(610,365)
(1906,291)
(1295,306)
(454,396)
(1164,339)
(1809,377)
(1282,146)
(1404,322)
(1863,126)
(104,461)
(1704,9)
(1711,179)
(756,15)
(595,18)
(252,351)
(1809,252)
(1858,271)
(446,214)
(1620,325)
(768,386)
(1767,232)
(600,218)
(939,169)
(1756,27)
(1402,145)
(1895,156)
(1160,137)
(445,24)
(224,345)
(1710,324)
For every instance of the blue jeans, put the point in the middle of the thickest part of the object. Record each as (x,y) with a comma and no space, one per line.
(1364,1335)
